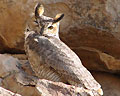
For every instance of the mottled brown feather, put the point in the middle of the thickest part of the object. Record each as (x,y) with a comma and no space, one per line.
(53,53)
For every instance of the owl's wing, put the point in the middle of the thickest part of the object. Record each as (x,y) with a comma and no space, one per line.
(56,54)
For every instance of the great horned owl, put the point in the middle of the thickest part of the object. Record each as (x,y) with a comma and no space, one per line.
(52,59)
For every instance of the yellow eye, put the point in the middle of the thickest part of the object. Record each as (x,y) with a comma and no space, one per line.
(50,27)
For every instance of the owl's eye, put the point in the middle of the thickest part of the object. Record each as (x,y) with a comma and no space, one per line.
(50,27)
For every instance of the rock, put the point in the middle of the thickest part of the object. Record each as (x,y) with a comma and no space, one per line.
(110,83)
(95,26)
(10,72)
(97,60)
(4,92)
(26,79)
(49,88)
(12,24)
(19,56)
(11,83)
(8,65)
(45,88)
(91,24)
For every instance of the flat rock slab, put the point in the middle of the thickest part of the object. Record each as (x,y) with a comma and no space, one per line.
(49,88)
(10,69)
(4,92)
(8,64)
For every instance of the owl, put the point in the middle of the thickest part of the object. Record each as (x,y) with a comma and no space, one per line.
(52,59)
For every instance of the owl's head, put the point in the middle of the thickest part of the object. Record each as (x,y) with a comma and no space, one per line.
(48,26)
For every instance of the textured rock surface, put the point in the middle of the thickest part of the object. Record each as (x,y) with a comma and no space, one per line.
(11,83)
(9,77)
(49,88)
(96,60)
(8,65)
(92,24)
(4,92)
(110,83)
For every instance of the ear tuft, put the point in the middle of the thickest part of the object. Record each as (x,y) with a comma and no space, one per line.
(39,10)
(58,17)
